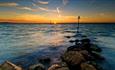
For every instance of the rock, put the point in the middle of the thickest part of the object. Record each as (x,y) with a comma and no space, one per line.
(68,36)
(55,60)
(63,68)
(73,59)
(97,56)
(86,55)
(37,67)
(84,36)
(85,41)
(84,52)
(58,67)
(98,67)
(85,44)
(54,67)
(74,48)
(9,66)
(85,66)
(95,48)
(71,41)
(44,60)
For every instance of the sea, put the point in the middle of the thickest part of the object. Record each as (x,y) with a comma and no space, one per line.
(24,44)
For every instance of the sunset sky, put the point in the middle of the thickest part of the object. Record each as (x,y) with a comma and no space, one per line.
(56,11)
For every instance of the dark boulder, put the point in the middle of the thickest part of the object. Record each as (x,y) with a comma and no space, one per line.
(95,48)
(98,67)
(73,59)
(74,48)
(71,41)
(85,43)
(58,67)
(86,55)
(9,66)
(68,36)
(37,67)
(97,56)
(44,60)
(85,66)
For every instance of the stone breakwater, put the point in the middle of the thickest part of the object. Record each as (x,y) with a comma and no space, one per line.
(81,56)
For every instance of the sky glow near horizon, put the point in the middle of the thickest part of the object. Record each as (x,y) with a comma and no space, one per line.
(58,11)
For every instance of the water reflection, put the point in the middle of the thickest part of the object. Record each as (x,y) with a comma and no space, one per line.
(40,38)
(17,40)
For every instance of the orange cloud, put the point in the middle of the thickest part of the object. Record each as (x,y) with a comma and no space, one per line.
(12,4)
(43,2)
(25,8)
(26,18)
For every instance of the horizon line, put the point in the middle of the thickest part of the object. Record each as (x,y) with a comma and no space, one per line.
(58,23)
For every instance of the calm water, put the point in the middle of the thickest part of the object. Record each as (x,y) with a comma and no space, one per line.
(27,42)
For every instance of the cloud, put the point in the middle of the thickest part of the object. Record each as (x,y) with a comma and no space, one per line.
(43,2)
(9,4)
(34,18)
(36,9)
(102,14)
(33,4)
(65,2)
(42,8)
(47,10)
(25,8)
(58,11)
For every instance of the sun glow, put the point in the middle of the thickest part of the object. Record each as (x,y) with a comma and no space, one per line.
(54,22)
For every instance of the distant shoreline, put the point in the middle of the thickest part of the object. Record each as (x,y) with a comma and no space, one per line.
(60,23)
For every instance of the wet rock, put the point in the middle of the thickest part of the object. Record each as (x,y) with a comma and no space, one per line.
(89,46)
(86,44)
(84,52)
(54,67)
(85,41)
(9,66)
(76,41)
(84,36)
(73,57)
(55,61)
(97,56)
(74,48)
(85,66)
(98,67)
(71,41)
(95,48)
(86,55)
(37,67)
(58,67)
(68,36)
(44,60)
